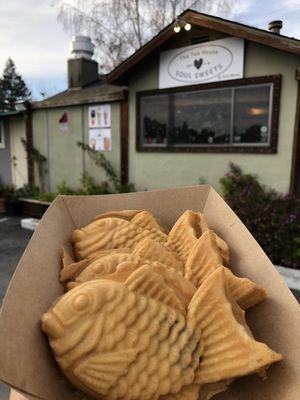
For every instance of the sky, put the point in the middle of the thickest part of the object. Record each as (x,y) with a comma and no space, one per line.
(33,37)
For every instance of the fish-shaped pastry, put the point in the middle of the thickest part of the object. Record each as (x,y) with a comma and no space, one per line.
(153,250)
(205,257)
(110,341)
(147,219)
(114,343)
(114,232)
(71,269)
(185,232)
(103,266)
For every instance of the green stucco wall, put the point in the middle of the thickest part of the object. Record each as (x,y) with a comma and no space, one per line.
(65,160)
(158,170)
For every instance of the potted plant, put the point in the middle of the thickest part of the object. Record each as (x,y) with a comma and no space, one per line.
(2,205)
(11,197)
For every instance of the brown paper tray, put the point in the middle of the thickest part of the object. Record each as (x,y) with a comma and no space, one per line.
(26,362)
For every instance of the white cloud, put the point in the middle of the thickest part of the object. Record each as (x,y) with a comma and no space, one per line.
(32,37)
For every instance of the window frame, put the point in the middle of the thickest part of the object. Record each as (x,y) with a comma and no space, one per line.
(2,135)
(271,147)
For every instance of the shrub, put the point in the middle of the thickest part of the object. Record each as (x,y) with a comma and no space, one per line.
(89,186)
(272,218)
(101,161)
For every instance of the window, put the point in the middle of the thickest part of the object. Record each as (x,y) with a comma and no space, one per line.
(236,116)
(2,138)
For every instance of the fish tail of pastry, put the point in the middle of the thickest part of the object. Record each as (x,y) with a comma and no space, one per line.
(229,349)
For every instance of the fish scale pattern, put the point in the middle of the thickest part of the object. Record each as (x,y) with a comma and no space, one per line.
(168,349)
(144,349)
(150,283)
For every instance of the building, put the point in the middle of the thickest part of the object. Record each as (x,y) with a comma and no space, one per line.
(180,108)
(13,159)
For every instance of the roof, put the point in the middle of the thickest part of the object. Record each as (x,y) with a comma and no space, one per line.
(281,42)
(98,91)
(10,113)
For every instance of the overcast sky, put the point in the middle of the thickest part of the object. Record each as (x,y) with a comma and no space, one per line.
(31,35)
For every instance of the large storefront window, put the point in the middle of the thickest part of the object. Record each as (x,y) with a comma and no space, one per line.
(239,117)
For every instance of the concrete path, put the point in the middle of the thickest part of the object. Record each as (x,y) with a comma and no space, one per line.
(13,240)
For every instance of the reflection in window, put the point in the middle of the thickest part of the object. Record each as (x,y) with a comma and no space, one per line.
(154,120)
(216,117)
(251,114)
(199,117)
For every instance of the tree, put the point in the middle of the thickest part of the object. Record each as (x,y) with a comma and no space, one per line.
(120,27)
(12,87)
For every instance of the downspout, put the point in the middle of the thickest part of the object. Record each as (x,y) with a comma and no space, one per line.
(296,143)
(29,140)
(124,138)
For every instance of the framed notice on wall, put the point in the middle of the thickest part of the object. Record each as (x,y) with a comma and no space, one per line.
(100,139)
(100,116)
(100,127)
(217,60)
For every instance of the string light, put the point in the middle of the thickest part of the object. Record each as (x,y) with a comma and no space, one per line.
(177,26)
(180,23)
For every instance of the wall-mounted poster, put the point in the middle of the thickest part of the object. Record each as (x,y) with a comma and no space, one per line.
(217,60)
(100,139)
(100,116)
(63,122)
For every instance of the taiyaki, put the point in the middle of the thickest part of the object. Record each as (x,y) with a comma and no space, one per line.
(103,266)
(114,232)
(162,284)
(110,341)
(205,258)
(113,342)
(153,250)
(185,232)
(147,219)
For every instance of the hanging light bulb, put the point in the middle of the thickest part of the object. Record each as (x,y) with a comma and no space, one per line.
(187,26)
(177,26)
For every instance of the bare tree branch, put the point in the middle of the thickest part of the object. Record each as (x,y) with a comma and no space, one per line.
(119,27)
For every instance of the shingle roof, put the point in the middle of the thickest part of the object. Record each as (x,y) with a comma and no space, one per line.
(96,92)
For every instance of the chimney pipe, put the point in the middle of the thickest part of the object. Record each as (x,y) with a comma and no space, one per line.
(275,26)
(82,69)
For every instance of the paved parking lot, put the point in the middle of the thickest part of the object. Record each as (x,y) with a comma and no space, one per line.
(13,240)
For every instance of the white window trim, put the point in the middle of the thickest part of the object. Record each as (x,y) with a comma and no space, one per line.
(2,136)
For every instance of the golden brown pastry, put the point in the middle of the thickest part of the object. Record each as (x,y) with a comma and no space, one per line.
(113,342)
(187,229)
(205,258)
(113,232)
(155,251)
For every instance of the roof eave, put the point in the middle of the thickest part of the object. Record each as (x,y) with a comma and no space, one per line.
(225,26)
(107,97)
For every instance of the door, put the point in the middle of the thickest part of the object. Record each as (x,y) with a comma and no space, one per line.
(18,153)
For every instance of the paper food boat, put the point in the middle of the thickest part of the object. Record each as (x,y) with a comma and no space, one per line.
(26,361)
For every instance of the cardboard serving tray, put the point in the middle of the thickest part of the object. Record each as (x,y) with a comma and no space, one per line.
(26,362)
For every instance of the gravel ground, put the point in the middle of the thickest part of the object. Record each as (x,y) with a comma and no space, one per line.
(13,240)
